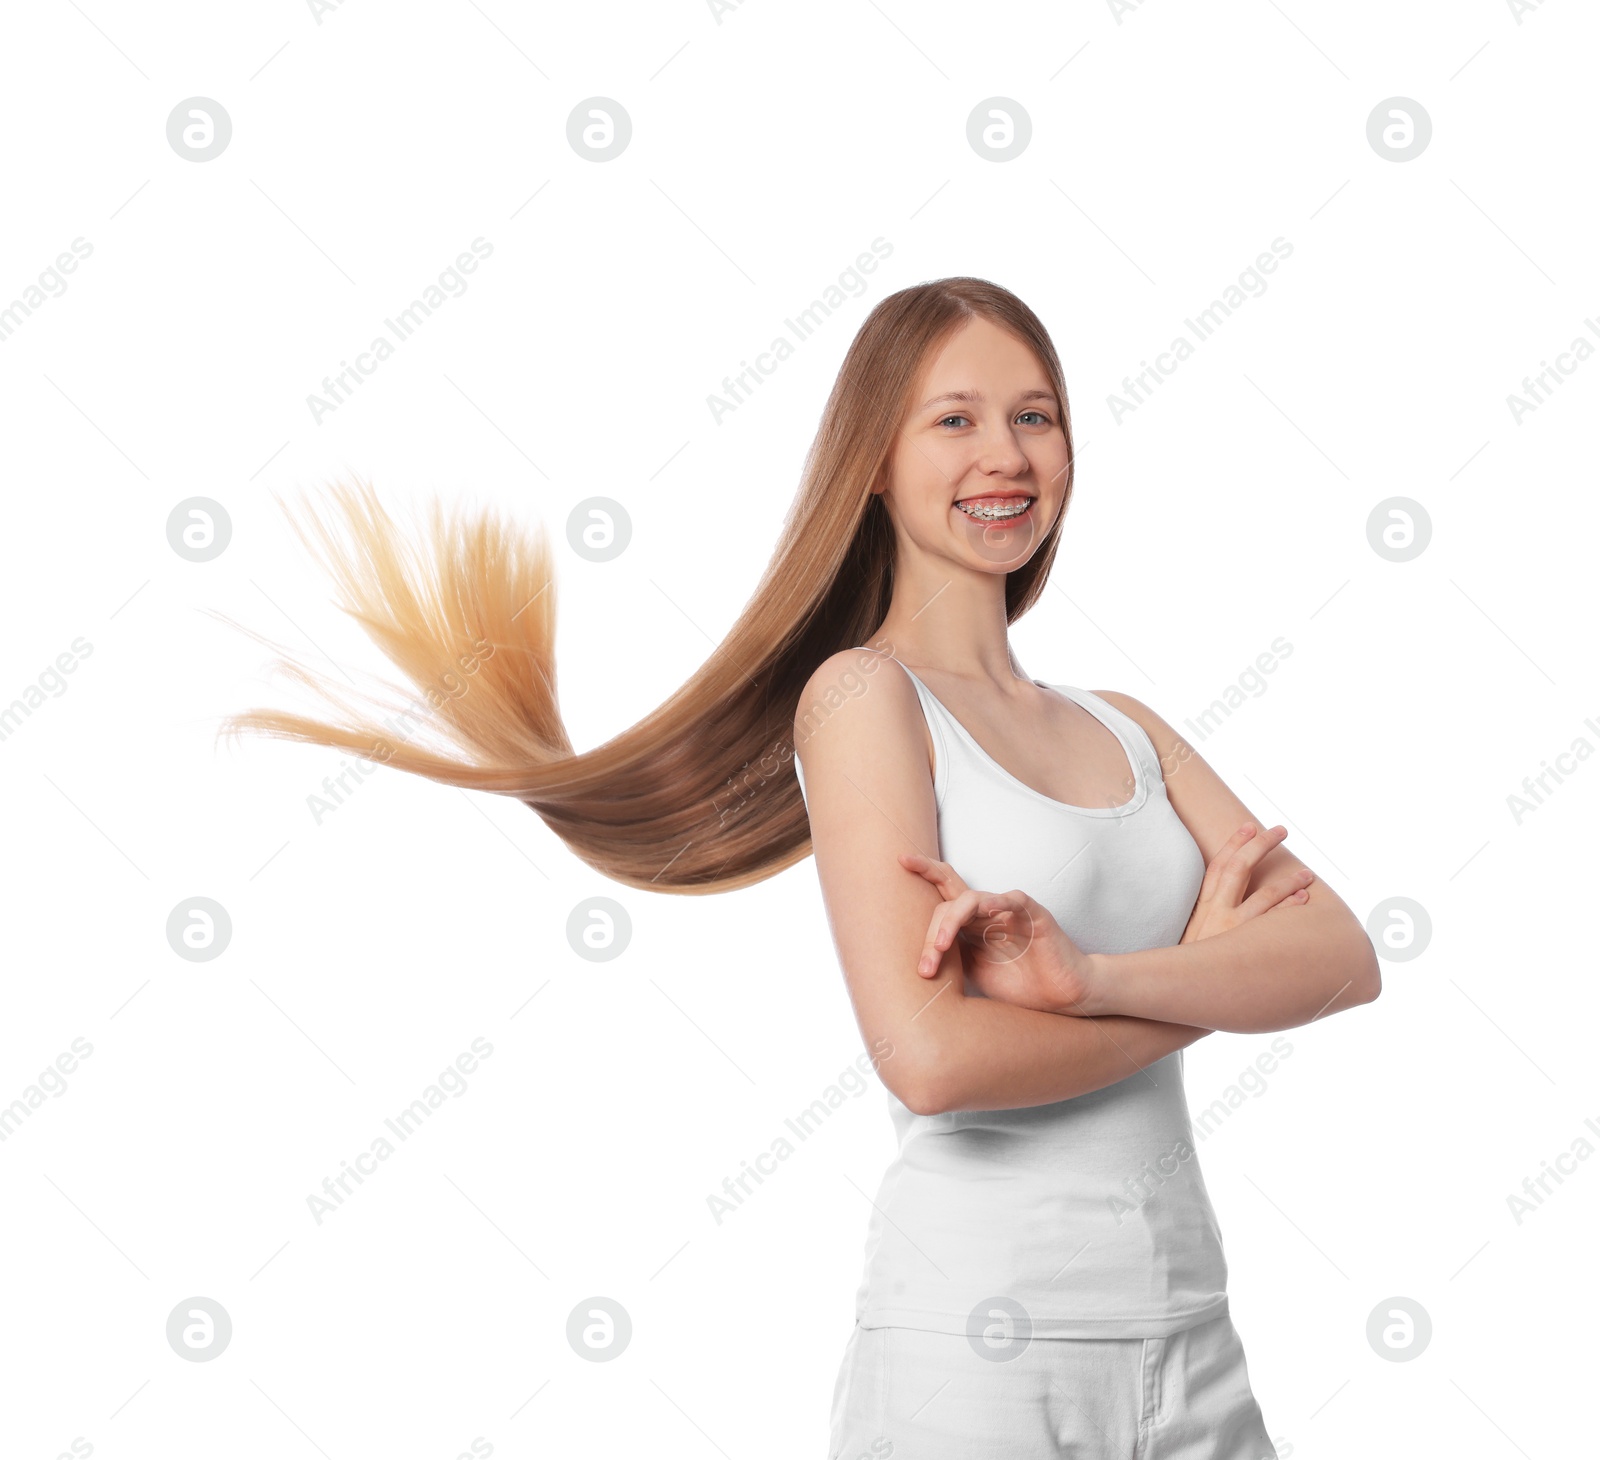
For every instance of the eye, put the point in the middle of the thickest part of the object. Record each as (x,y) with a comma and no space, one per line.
(1041,419)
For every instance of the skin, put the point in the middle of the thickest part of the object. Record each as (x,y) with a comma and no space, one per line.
(1268,946)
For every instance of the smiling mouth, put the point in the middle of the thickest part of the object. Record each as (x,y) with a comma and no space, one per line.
(995,509)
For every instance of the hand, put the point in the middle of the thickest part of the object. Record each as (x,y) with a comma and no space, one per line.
(1218,907)
(1012,949)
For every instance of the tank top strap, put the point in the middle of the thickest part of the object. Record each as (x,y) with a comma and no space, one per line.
(947,736)
(957,753)
(1129,731)
(930,704)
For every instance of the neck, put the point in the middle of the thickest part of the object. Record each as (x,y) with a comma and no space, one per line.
(949,619)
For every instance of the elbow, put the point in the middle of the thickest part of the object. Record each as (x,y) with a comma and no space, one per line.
(1356,969)
(917,1079)
(923,1098)
(1368,981)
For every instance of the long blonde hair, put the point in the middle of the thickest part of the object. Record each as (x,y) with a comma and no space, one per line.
(690,799)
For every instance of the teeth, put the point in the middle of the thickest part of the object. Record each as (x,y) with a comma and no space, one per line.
(995,513)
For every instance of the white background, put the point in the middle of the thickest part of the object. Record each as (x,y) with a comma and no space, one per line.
(1169,148)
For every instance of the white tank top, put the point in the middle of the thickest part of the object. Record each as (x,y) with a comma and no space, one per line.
(1089,1213)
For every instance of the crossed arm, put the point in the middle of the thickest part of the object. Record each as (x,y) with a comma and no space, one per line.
(1278,972)
(870,798)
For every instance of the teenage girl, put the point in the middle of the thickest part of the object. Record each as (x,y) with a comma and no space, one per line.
(1040,895)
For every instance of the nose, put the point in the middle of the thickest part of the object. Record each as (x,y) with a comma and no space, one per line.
(999,455)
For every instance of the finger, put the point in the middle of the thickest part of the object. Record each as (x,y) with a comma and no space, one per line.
(1235,875)
(1011,922)
(1013,925)
(942,928)
(989,930)
(941,874)
(1013,902)
(1276,891)
(983,922)
(1208,884)
(1279,886)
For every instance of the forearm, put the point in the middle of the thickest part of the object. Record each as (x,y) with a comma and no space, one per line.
(1292,966)
(989,1055)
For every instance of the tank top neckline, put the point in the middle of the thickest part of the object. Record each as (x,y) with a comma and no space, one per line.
(1084,699)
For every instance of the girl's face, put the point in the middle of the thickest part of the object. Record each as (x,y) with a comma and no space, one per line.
(978,472)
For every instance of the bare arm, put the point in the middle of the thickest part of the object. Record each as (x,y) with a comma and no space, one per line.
(1305,961)
(860,737)
(1270,973)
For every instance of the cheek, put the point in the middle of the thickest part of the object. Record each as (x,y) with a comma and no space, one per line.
(935,466)
(923,479)
(1049,460)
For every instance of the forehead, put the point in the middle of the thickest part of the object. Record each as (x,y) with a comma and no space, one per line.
(981,356)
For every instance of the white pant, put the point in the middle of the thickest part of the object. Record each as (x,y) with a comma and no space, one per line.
(914,1395)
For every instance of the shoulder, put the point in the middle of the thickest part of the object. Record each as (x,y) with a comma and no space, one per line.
(851,678)
(1170,747)
(1134,709)
(1206,805)
(857,703)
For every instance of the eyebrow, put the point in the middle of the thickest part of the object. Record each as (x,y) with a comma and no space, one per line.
(975,396)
